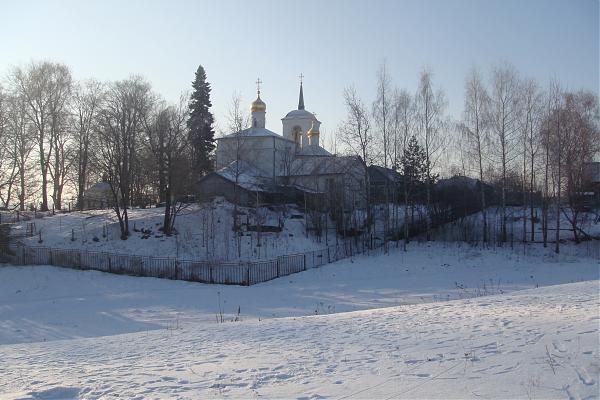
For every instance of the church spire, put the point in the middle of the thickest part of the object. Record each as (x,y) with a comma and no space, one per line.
(301,97)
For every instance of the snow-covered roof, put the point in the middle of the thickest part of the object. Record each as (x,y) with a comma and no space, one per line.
(313,151)
(299,114)
(248,177)
(254,132)
(303,166)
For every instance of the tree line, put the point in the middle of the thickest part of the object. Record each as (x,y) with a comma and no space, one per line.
(513,133)
(58,134)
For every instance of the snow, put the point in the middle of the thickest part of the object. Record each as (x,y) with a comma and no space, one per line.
(247,176)
(205,233)
(439,321)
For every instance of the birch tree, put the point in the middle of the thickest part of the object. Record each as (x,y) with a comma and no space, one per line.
(530,127)
(475,130)
(355,133)
(504,119)
(404,124)
(382,110)
(430,108)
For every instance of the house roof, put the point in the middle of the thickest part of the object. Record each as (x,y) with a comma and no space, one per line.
(387,173)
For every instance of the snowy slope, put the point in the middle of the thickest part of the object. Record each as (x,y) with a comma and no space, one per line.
(537,343)
(205,233)
(48,303)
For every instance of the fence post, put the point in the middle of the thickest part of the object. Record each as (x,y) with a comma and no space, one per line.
(278,258)
(304,258)
(177,269)
(248,274)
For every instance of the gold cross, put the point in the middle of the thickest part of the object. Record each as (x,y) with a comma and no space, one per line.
(258,82)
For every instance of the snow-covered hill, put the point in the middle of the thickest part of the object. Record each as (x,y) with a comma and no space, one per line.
(204,233)
(454,327)
(538,343)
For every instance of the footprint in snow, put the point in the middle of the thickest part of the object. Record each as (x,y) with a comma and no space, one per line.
(584,377)
(65,393)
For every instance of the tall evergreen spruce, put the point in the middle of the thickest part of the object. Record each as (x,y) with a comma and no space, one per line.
(200,123)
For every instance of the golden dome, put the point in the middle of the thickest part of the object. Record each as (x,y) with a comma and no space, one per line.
(258,105)
(312,131)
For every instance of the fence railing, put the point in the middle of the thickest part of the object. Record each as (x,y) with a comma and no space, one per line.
(235,273)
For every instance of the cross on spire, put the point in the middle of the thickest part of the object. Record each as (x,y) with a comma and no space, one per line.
(258,82)
(301,96)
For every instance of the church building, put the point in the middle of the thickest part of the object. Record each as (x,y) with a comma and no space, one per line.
(259,165)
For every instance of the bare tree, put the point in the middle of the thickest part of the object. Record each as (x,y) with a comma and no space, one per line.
(581,142)
(34,84)
(87,102)
(120,126)
(7,165)
(430,107)
(355,133)
(61,88)
(504,118)
(557,127)
(21,142)
(530,126)
(403,127)
(475,130)
(545,140)
(167,138)
(238,121)
(382,109)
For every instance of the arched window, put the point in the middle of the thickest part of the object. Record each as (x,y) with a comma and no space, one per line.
(297,134)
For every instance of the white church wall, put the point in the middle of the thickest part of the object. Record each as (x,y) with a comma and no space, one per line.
(270,155)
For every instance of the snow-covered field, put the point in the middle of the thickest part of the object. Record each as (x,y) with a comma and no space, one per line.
(440,321)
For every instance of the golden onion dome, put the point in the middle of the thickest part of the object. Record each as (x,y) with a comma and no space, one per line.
(258,105)
(312,131)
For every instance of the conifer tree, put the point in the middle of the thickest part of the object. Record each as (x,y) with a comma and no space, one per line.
(200,123)
(414,162)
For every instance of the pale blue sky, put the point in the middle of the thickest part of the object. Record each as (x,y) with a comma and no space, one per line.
(333,43)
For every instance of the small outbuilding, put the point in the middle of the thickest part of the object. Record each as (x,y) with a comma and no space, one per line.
(98,196)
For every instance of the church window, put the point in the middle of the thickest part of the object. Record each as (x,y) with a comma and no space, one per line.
(297,133)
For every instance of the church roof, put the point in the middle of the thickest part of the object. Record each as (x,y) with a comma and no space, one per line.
(313,151)
(298,114)
(323,165)
(254,132)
